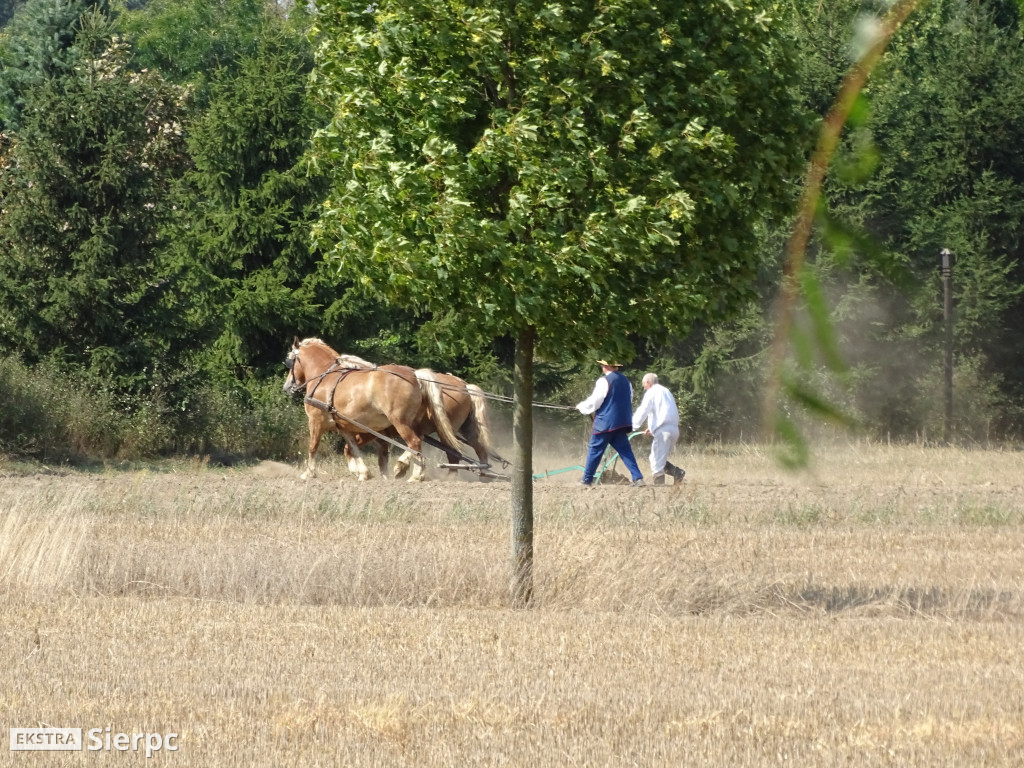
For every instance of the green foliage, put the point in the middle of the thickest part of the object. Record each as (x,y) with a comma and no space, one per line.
(7,9)
(188,41)
(239,238)
(594,172)
(253,419)
(924,163)
(39,44)
(591,172)
(54,414)
(81,197)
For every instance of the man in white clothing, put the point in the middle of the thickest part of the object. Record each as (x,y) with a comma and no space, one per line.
(658,409)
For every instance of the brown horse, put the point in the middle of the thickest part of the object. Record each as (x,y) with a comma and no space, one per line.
(347,394)
(466,409)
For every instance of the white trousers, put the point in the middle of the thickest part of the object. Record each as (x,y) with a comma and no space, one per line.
(662,443)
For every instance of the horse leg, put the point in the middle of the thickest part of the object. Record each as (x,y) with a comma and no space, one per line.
(350,459)
(353,453)
(453,458)
(355,458)
(402,465)
(382,459)
(481,455)
(408,434)
(316,431)
(383,449)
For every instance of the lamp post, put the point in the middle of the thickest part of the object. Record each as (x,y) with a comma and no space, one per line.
(947,316)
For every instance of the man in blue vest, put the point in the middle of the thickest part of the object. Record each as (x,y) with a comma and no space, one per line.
(611,402)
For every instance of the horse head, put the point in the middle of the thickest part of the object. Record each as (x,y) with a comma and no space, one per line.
(295,381)
(307,360)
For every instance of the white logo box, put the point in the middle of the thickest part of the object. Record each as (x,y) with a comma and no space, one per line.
(46,739)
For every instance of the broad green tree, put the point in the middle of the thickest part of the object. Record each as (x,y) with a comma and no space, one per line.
(571,175)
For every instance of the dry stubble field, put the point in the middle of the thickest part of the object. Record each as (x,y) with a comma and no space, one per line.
(869,612)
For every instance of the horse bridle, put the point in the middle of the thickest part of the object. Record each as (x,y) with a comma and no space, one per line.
(289,363)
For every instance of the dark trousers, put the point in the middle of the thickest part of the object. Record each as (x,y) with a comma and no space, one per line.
(618,439)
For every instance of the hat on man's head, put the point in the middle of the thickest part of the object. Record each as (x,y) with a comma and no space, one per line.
(610,365)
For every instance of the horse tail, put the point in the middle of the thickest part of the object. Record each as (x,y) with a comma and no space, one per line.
(435,406)
(479,416)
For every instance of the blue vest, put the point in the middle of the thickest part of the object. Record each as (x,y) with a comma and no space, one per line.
(616,412)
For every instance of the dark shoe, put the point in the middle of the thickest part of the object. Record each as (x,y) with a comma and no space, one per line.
(638,483)
(677,473)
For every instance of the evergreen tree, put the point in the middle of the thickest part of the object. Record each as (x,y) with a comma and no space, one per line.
(188,41)
(37,45)
(7,10)
(241,233)
(81,202)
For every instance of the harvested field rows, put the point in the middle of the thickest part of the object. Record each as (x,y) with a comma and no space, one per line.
(869,612)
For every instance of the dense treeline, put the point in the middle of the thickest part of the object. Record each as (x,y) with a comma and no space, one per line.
(157,197)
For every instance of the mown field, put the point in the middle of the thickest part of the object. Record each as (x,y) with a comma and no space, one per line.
(867,612)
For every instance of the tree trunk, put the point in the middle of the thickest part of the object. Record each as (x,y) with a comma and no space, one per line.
(521,592)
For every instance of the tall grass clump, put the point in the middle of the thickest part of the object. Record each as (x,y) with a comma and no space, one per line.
(40,550)
(53,416)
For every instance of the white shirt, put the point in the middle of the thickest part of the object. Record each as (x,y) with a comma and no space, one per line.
(597,397)
(659,409)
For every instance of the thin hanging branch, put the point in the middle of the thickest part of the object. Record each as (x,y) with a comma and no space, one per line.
(796,247)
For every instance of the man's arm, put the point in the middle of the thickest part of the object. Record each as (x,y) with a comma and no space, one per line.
(643,412)
(597,397)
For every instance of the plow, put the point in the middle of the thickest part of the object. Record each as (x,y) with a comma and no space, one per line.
(605,470)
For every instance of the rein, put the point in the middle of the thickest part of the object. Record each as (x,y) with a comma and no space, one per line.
(486,395)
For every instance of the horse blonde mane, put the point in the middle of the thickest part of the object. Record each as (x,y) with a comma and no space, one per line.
(345,361)
(354,361)
(312,340)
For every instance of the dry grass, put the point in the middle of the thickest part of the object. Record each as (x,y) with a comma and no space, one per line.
(867,613)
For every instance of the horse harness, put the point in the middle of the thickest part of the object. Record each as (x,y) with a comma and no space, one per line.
(337,415)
